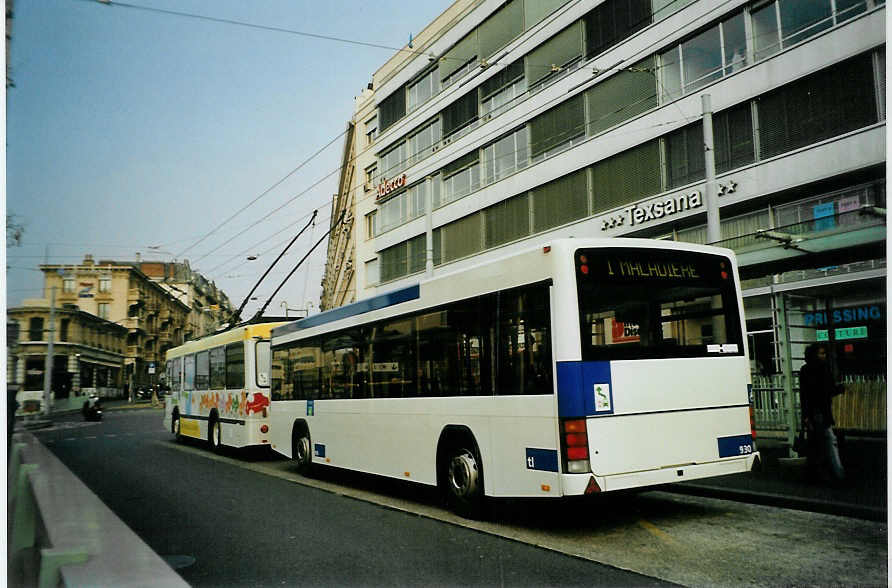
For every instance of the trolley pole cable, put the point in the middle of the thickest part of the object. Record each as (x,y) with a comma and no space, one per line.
(237,315)
(260,312)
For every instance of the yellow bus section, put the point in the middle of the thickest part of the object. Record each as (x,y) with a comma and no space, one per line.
(189,428)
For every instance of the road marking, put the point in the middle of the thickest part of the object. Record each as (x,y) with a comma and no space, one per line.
(657,532)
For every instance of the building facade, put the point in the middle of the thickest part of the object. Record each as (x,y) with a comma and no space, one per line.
(511,123)
(88,354)
(120,293)
(209,307)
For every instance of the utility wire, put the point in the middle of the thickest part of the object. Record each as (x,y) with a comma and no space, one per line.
(240,23)
(262,194)
(262,309)
(238,313)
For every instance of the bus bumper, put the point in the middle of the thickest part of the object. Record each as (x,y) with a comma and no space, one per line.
(580,484)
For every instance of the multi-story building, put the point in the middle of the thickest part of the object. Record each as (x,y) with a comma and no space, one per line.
(88,353)
(120,293)
(209,306)
(509,123)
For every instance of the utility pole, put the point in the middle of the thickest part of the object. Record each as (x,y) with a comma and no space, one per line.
(48,366)
(713,223)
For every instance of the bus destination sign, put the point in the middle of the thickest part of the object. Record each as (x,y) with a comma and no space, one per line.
(630,268)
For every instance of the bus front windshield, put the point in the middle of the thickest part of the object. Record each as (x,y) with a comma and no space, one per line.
(637,303)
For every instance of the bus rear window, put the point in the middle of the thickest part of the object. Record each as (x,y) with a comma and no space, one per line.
(639,303)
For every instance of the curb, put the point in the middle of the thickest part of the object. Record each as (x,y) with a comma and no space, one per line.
(858,511)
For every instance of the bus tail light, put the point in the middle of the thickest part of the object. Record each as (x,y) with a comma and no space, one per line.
(574,440)
(264,429)
(752,422)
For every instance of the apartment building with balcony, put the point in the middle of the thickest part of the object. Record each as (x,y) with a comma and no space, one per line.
(121,294)
(512,123)
(209,306)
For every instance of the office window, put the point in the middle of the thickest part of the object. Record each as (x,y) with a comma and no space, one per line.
(68,285)
(458,60)
(704,58)
(830,102)
(63,329)
(422,143)
(103,310)
(555,129)
(685,160)
(461,177)
(621,97)
(420,91)
(459,238)
(105,283)
(501,28)
(371,130)
(732,131)
(372,272)
(782,23)
(505,156)
(560,201)
(394,263)
(501,90)
(507,221)
(613,21)
(460,113)
(627,177)
(371,224)
(535,11)
(553,56)
(400,209)
(394,161)
(392,109)
(371,175)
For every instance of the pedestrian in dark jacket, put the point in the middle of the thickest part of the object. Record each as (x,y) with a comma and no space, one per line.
(816,391)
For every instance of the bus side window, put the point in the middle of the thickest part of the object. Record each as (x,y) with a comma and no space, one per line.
(524,346)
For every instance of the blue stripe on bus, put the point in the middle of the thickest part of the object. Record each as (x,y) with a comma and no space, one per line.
(542,459)
(342,312)
(584,388)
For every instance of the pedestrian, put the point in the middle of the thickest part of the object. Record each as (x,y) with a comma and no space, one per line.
(816,391)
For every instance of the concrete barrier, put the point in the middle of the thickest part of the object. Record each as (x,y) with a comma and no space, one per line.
(61,533)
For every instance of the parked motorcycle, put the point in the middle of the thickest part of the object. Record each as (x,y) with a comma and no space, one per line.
(92,409)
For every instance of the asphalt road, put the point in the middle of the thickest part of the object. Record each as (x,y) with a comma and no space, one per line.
(244,528)
(247,519)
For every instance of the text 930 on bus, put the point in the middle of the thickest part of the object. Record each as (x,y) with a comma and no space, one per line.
(577,367)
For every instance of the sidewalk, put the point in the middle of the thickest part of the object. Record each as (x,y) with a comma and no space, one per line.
(783,482)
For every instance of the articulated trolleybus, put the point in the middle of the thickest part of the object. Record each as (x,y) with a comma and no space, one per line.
(580,366)
(219,387)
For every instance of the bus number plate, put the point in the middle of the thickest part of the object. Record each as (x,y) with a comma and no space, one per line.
(736,446)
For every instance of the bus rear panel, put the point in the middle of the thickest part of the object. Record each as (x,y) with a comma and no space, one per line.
(661,392)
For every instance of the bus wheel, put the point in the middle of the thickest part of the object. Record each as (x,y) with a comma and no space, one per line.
(464,482)
(300,451)
(216,435)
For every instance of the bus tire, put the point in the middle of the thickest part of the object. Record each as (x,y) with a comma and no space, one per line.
(300,449)
(461,477)
(215,434)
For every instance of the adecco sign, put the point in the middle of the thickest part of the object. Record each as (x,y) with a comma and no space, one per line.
(385,188)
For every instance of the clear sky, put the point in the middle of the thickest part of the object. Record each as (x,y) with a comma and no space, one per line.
(133,131)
